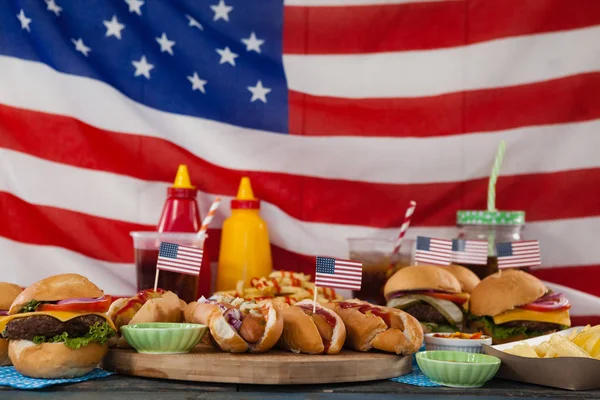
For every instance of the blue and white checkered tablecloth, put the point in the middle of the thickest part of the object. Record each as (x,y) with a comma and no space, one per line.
(11,377)
(416,377)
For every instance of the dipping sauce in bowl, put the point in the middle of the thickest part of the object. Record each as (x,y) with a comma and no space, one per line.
(458,341)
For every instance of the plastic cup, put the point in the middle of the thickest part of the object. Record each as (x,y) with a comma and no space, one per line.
(376,255)
(146,246)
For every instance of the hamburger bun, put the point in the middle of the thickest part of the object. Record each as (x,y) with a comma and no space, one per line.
(422,277)
(8,293)
(467,278)
(55,288)
(54,360)
(504,291)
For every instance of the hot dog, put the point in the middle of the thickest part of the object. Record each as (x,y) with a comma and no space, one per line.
(370,326)
(237,325)
(313,333)
(146,306)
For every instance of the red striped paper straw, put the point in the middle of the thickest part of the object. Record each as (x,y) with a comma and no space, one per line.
(409,212)
(209,217)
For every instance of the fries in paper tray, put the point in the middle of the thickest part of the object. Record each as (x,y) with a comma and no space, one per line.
(287,286)
(569,359)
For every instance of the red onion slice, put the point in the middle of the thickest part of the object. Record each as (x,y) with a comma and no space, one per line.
(3,312)
(82,300)
(233,316)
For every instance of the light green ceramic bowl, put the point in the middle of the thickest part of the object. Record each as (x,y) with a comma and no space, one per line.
(163,337)
(457,368)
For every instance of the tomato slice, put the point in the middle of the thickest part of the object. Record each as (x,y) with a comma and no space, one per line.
(99,306)
(453,297)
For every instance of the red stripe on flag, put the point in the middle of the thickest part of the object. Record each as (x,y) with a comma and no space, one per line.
(585,320)
(583,278)
(426,25)
(366,203)
(344,30)
(570,99)
(105,239)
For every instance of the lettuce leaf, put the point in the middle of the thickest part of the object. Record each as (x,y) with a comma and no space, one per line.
(33,305)
(99,333)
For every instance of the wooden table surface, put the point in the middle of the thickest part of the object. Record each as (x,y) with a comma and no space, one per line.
(119,387)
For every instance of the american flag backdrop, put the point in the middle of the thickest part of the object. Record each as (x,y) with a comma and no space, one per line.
(339,111)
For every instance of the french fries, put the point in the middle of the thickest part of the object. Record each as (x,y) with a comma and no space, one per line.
(585,343)
(287,286)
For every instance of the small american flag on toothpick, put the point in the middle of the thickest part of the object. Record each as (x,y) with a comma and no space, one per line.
(178,258)
(473,252)
(341,274)
(433,251)
(525,253)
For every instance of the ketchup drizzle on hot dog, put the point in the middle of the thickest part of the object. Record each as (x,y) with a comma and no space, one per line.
(364,308)
(330,320)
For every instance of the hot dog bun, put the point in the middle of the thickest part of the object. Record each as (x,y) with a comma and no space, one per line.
(392,330)
(165,308)
(225,335)
(301,333)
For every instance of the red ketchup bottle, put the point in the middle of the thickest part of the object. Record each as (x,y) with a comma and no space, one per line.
(181,214)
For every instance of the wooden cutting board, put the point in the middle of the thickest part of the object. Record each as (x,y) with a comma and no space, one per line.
(205,364)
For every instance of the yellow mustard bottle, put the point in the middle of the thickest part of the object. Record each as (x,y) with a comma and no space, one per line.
(245,249)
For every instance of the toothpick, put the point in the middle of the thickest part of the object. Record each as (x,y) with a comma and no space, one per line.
(315,301)
(156,279)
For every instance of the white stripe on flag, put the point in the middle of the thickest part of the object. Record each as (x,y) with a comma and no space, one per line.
(161,263)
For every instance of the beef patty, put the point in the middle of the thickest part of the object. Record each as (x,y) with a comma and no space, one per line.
(44,325)
(532,326)
(426,313)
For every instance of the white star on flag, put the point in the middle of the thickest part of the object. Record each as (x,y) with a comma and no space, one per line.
(222,11)
(80,46)
(135,6)
(259,92)
(24,20)
(113,27)
(197,83)
(227,56)
(193,23)
(165,44)
(253,43)
(142,67)
(52,6)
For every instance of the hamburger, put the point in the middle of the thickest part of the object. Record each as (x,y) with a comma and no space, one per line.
(8,294)
(513,305)
(467,278)
(429,293)
(57,327)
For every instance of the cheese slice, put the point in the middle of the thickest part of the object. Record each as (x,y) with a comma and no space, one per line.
(552,317)
(63,316)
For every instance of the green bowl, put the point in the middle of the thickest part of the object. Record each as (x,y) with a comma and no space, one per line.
(163,337)
(457,368)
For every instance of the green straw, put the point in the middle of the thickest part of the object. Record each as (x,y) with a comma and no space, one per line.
(494,176)
(492,192)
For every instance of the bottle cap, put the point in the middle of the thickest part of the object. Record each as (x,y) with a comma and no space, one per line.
(476,217)
(182,180)
(245,197)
